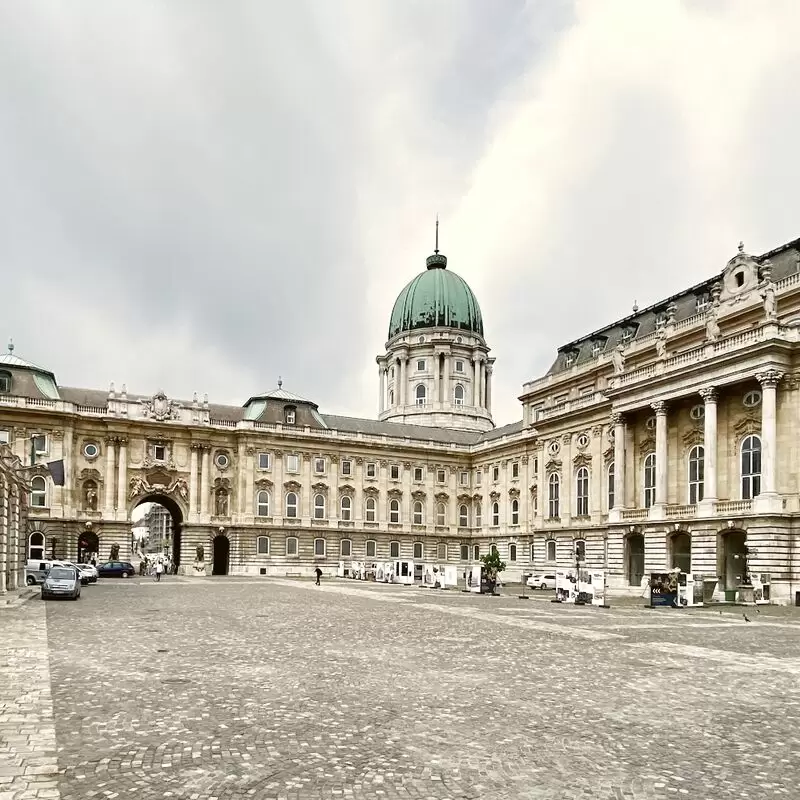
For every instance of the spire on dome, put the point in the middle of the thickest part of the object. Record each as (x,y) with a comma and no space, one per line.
(10,346)
(437,260)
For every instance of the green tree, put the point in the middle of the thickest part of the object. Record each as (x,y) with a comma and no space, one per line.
(493,566)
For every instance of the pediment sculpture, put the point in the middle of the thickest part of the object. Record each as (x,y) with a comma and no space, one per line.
(139,486)
(160,408)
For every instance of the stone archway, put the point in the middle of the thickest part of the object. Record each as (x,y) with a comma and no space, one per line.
(634,558)
(680,551)
(175,512)
(88,547)
(732,559)
(221,554)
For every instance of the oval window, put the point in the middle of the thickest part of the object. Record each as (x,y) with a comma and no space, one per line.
(583,440)
(697,412)
(651,423)
(91,450)
(752,398)
(222,460)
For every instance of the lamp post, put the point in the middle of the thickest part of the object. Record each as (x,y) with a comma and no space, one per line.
(525,577)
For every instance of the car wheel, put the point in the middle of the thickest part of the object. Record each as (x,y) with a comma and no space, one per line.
(30,580)
(124,574)
(543,587)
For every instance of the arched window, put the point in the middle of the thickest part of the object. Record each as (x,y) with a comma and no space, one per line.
(418,516)
(420,394)
(751,467)
(371,508)
(291,545)
(493,549)
(347,508)
(582,492)
(319,548)
(463,516)
(495,514)
(649,480)
(476,552)
(515,512)
(512,552)
(551,549)
(441,514)
(391,397)
(580,550)
(478,515)
(262,545)
(553,495)
(291,505)
(418,551)
(372,548)
(36,546)
(532,553)
(394,511)
(610,486)
(319,506)
(262,504)
(696,474)
(345,548)
(5,382)
(394,549)
(38,492)
(458,395)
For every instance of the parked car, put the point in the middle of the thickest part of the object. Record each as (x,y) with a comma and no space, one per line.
(84,574)
(116,569)
(90,570)
(542,582)
(36,571)
(62,582)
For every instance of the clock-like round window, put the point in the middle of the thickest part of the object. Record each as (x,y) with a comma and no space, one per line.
(91,450)
(751,399)
(422,340)
(583,440)
(651,423)
(697,412)
(553,448)
(222,460)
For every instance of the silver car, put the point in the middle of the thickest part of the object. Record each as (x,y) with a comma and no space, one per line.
(62,582)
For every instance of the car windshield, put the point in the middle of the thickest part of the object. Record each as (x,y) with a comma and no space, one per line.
(61,574)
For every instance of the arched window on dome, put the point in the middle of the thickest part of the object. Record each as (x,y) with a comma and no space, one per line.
(391,397)
(458,395)
(420,394)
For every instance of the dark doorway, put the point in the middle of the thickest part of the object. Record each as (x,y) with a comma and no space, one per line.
(680,549)
(634,546)
(157,523)
(88,547)
(732,559)
(222,551)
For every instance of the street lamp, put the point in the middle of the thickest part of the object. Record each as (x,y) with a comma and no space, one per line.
(525,577)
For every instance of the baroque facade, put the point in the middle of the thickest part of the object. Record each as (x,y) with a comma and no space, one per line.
(664,439)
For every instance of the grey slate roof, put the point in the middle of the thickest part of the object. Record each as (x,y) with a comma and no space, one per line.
(400,430)
(506,430)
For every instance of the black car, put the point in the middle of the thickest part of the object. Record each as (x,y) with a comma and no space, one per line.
(116,569)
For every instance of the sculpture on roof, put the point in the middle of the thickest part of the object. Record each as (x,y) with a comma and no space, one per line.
(661,344)
(160,408)
(768,294)
(712,326)
(618,359)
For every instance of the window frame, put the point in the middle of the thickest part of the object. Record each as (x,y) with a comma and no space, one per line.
(420,395)
(39,493)
(373,510)
(441,555)
(512,551)
(554,496)
(374,548)
(441,476)
(346,513)
(459,365)
(371,467)
(421,364)
(419,474)
(6,382)
(292,458)
(514,511)
(289,415)
(495,514)
(260,504)
(296,541)
(582,492)
(349,543)
(750,481)
(394,511)
(320,510)
(320,465)
(479,514)
(441,514)
(649,497)
(418,513)
(463,548)
(418,548)
(459,395)
(610,485)
(156,448)
(291,510)
(476,552)
(394,472)
(259,541)
(262,458)
(324,553)
(515,470)
(695,474)
(463,516)
(346,467)
(551,543)
(394,549)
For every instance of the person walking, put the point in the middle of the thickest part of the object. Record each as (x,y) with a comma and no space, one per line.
(318,573)
(159,570)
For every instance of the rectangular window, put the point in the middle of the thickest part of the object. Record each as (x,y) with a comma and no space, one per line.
(538,411)
(263,460)
(441,551)
(4,437)
(319,466)
(459,366)
(394,472)
(372,548)
(159,452)
(465,552)
(372,469)
(535,465)
(262,547)
(417,550)
(421,365)
(586,391)
(289,416)
(476,552)
(515,469)
(292,463)
(319,548)
(495,474)
(347,468)
(463,478)
(346,548)
(441,476)
(562,398)
(512,552)
(702,304)
(478,477)
(419,474)
(291,546)
(394,549)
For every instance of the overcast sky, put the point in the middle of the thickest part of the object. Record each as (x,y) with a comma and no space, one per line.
(202,196)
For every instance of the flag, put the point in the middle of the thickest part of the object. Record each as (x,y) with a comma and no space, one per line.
(57,471)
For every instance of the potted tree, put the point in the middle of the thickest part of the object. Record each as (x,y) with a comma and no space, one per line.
(492,567)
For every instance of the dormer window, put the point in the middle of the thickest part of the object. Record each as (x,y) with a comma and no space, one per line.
(739,278)
(627,335)
(702,303)
(661,321)
(597,348)
(289,415)
(5,382)
(569,359)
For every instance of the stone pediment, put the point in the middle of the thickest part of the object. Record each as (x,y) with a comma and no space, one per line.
(740,276)
(418,494)
(693,437)
(582,460)
(319,487)
(395,492)
(747,425)
(647,444)
(263,483)
(553,465)
(494,496)
(513,493)
(477,498)
(371,491)
(89,474)
(464,498)
(346,489)
(442,497)
(292,486)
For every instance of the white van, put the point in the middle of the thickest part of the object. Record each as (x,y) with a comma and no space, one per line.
(36,571)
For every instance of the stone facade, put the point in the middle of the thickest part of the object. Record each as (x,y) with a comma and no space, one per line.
(666,439)
(13,522)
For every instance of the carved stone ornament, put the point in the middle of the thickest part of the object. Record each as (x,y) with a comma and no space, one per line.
(418,494)
(494,496)
(608,455)
(222,483)
(160,408)
(791,381)
(347,489)
(553,465)
(319,487)
(769,378)
(140,485)
(597,430)
(371,491)
(263,483)
(442,497)
(566,438)
(477,498)
(90,474)
(395,492)
(554,448)
(647,444)
(524,459)
(464,498)
(693,437)
(747,426)
(513,493)
(709,394)
(292,486)
(582,460)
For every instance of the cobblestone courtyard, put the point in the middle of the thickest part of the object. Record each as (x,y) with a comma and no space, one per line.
(226,688)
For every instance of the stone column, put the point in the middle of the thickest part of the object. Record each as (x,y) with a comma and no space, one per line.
(278,492)
(249,484)
(662,455)
(4,532)
(769,429)
(476,382)
(244,476)
(358,500)
(193,479)
(204,480)
(122,483)
(448,379)
(618,421)
(68,453)
(489,388)
(482,403)
(437,385)
(382,515)
(109,490)
(333,510)
(709,396)
(382,390)
(402,388)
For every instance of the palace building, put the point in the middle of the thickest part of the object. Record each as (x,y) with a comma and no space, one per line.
(666,439)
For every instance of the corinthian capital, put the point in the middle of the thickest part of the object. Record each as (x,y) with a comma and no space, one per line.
(617,419)
(709,394)
(660,407)
(770,378)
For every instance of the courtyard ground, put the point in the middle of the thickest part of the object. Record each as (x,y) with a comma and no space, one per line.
(235,688)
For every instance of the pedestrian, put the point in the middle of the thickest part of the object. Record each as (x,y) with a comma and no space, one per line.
(318,573)
(159,569)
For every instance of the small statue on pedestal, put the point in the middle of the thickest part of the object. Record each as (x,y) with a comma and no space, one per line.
(618,359)
(200,553)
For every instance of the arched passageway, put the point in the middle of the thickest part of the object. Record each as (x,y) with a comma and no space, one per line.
(732,559)
(88,547)
(680,551)
(157,522)
(221,555)
(634,558)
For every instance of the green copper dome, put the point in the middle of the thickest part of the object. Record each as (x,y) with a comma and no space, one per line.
(436,298)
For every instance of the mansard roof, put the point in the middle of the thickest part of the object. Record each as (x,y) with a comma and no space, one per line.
(784,259)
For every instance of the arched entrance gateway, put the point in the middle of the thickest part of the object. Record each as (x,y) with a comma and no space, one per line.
(156,526)
(88,547)
(680,551)
(732,559)
(221,555)
(634,558)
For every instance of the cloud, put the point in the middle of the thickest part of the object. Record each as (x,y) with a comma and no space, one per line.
(204,197)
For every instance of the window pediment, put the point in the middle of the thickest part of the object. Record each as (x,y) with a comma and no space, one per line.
(582,460)
(513,493)
(371,491)
(608,455)
(418,494)
(747,425)
(494,496)
(263,483)
(442,497)
(647,444)
(553,465)
(292,486)
(464,498)
(346,491)
(395,492)
(693,437)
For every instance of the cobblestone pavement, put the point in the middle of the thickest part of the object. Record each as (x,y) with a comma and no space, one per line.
(236,688)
